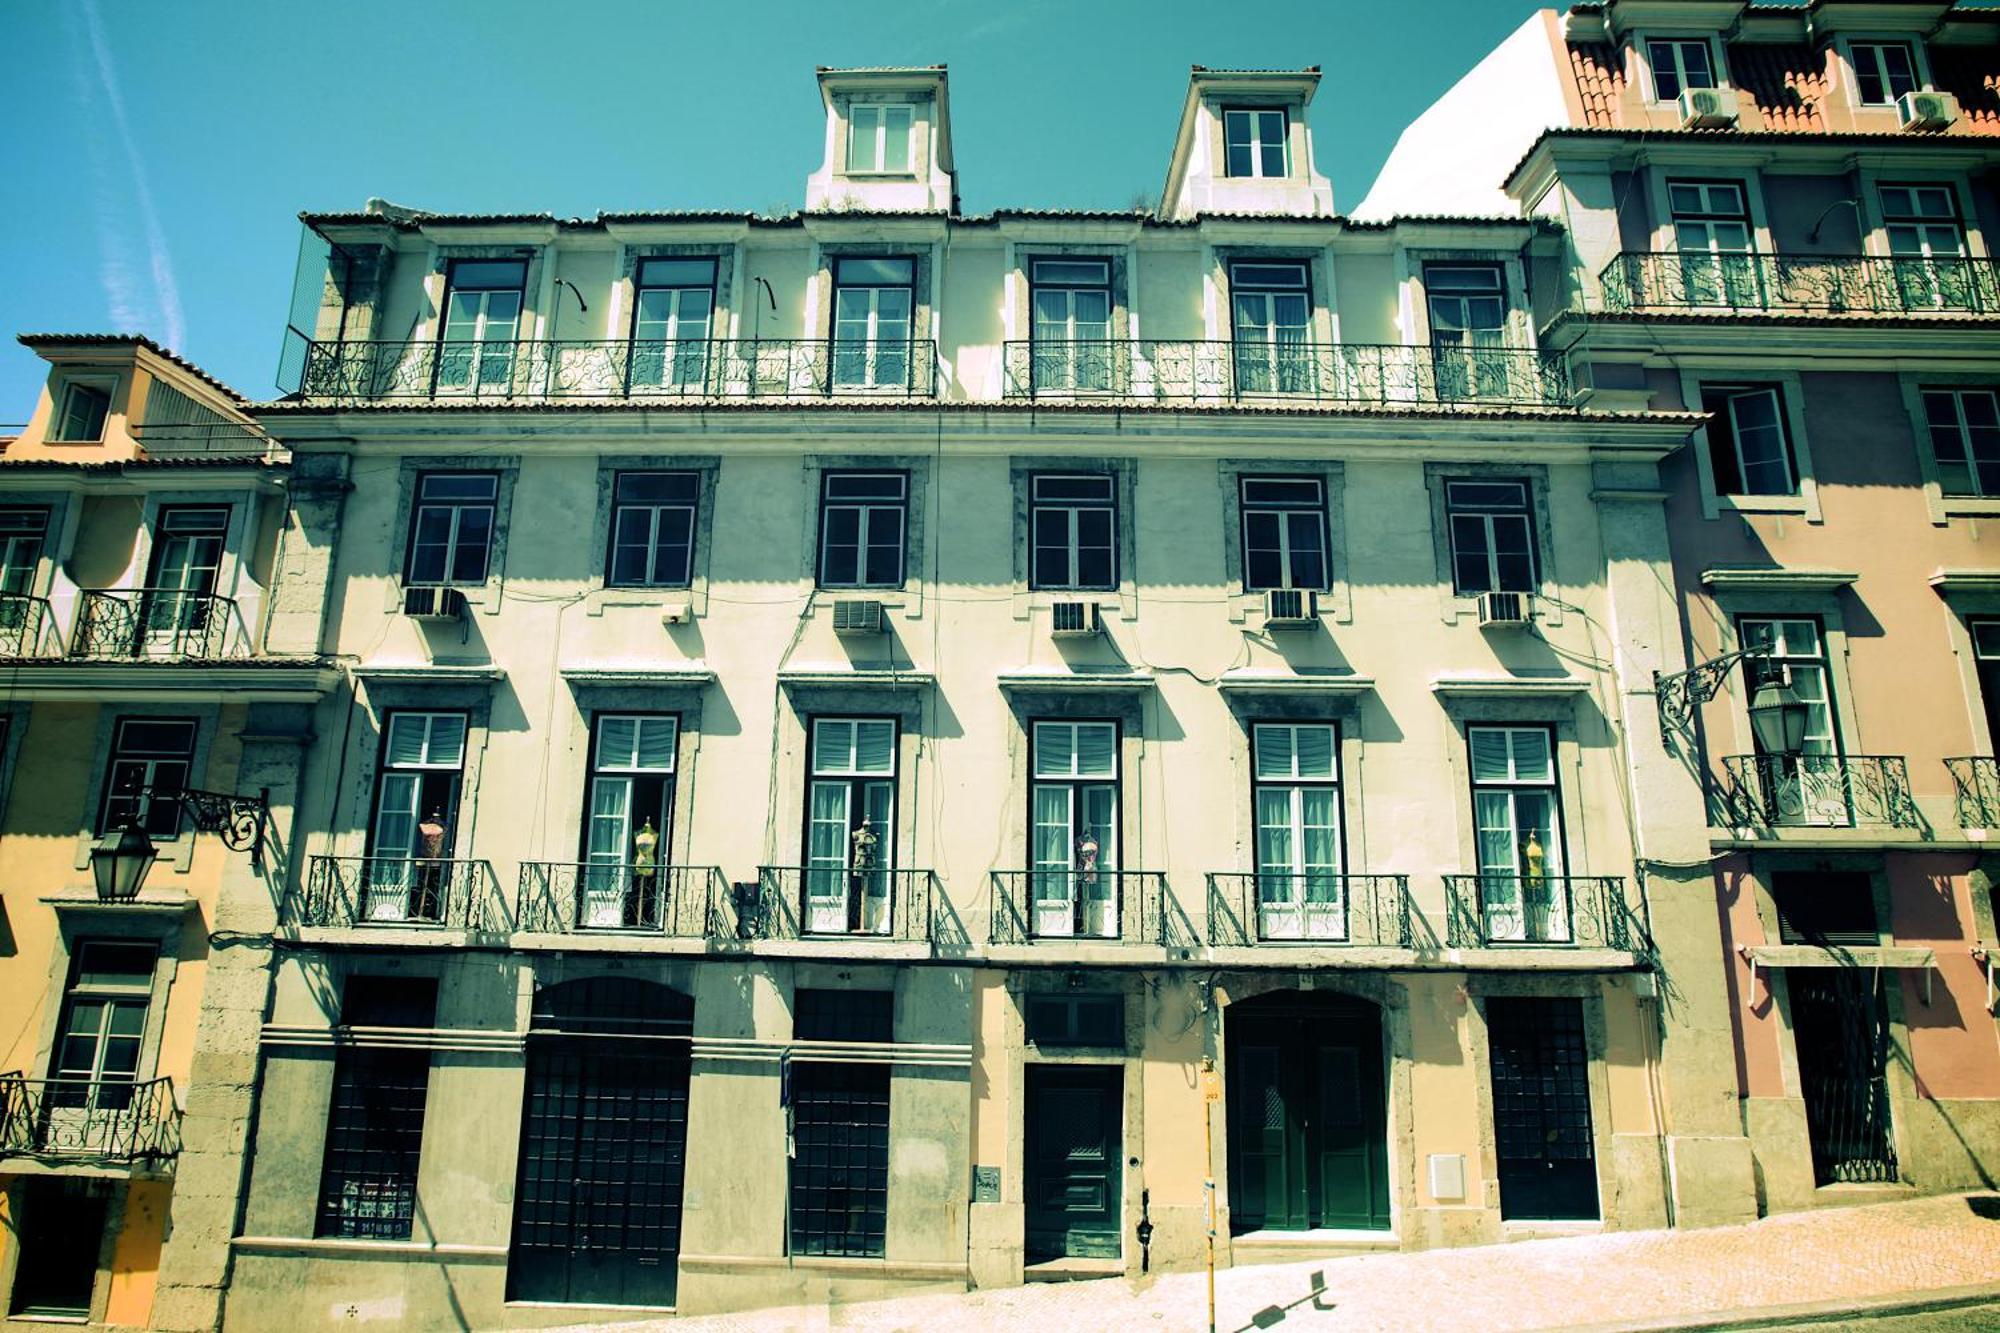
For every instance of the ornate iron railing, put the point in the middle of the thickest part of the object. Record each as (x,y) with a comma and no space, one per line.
(1086,906)
(595,897)
(1818,791)
(1975,788)
(1565,911)
(1800,284)
(1261,907)
(101,1121)
(389,891)
(1151,370)
(816,902)
(28,627)
(157,622)
(781,368)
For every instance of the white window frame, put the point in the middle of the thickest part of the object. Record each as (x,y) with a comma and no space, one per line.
(865,507)
(1678,47)
(1913,47)
(1791,395)
(1298,916)
(1258,144)
(1071,508)
(1288,578)
(1775,393)
(879,113)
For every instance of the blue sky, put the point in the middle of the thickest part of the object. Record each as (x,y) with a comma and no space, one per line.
(158,154)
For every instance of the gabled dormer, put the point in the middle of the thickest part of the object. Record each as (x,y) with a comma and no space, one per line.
(1244,146)
(888,142)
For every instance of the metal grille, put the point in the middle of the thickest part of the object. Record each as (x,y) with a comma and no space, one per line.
(374,1134)
(1541,1108)
(840,1159)
(1842,1030)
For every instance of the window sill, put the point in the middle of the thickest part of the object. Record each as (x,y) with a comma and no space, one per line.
(1761,504)
(1969,506)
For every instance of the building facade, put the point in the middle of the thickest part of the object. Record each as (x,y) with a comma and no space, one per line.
(1781,217)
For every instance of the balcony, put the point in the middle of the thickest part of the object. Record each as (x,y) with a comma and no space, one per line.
(1259,908)
(1559,911)
(364,892)
(818,902)
(1975,789)
(1335,374)
(77,1120)
(782,369)
(28,627)
(1818,791)
(1755,284)
(126,623)
(599,898)
(1115,907)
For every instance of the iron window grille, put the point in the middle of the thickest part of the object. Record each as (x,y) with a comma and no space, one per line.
(151,758)
(862,520)
(1492,536)
(839,1127)
(1749,443)
(1680,64)
(375,1123)
(1965,440)
(451,529)
(1284,533)
(1883,71)
(1256,143)
(653,517)
(1074,521)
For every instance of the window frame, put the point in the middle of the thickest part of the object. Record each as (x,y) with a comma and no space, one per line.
(657,508)
(1986,673)
(1074,507)
(104,1091)
(1753,669)
(879,112)
(1879,70)
(674,351)
(384,769)
(595,770)
(1970,462)
(60,419)
(1257,144)
(1556,859)
(865,1091)
(827,503)
(1678,49)
(1730,393)
(1526,513)
(111,795)
(1319,511)
(12,542)
(455,506)
(1297,785)
(1114,863)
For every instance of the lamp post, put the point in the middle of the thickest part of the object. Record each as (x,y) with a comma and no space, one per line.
(1778,717)
(122,857)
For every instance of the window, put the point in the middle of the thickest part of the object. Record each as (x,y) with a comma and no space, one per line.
(1295,791)
(1075,526)
(629,819)
(1712,235)
(1519,834)
(1071,299)
(151,758)
(872,304)
(1883,72)
(103,1026)
(84,407)
(671,313)
(1825,907)
(1468,316)
(1749,448)
(1492,537)
(1073,840)
(1810,786)
(1965,440)
(1927,248)
(1284,533)
(861,523)
(1065,1019)
(1254,143)
(1986,653)
(451,529)
(375,1123)
(878,138)
(1272,303)
(22,532)
(1679,64)
(839,1127)
(181,578)
(416,815)
(652,529)
(850,826)
(482,318)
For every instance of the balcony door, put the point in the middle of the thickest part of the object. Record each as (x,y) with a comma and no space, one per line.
(671,318)
(1808,787)
(1519,835)
(1927,247)
(1074,838)
(1272,306)
(1468,315)
(850,826)
(179,602)
(1072,328)
(627,827)
(22,535)
(1986,651)
(482,320)
(873,302)
(1712,235)
(416,817)
(1296,792)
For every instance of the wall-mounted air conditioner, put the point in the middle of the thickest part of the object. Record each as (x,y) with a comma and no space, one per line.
(433,603)
(1504,610)
(857,618)
(1075,620)
(1707,108)
(1926,111)
(1291,608)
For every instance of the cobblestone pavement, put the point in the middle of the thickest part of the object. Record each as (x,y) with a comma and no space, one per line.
(1832,1255)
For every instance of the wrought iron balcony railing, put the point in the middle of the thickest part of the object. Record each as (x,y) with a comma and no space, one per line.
(1564,911)
(1263,907)
(80,1119)
(1818,791)
(780,368)
(1150,370)
(819,902)
(28,627)
(1093,906)
(371,891)
(1975,789)
(1800,284)
(596,897)
(157,623)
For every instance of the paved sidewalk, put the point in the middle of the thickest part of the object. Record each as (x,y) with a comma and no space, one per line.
(1830,1257)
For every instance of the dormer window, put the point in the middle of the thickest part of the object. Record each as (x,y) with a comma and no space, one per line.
(1883,72)
(1678,65)
(1255,143)
(878,138)
(83,411)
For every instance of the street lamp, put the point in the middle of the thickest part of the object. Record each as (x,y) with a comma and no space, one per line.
(1778,717)
(121,859)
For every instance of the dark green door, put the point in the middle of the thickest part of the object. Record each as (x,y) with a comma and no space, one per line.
(1308,1115)
(1542,1139)
(1074,1160)
(1840,1026)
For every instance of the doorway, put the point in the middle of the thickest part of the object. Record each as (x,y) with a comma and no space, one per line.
(1542,1136)
(60,1237)
(1840,1027)
(1075,1150)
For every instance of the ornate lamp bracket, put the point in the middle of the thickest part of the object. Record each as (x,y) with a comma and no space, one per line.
(240,821)
(1680,693)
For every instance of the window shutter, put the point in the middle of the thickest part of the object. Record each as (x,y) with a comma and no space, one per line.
(1274,752)
(833,746)
(617,742)
(1313,748)
(1096,744)
(1489,755)
(874,747)
(1055,749)
(1531,754)
(656,743)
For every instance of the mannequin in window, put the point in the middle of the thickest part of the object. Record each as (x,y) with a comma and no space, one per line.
(643,906)
(429,885)
(864,844)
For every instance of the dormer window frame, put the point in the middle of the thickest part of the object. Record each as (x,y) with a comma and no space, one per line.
(1850,60)
(879,113)
(1255,111)
(105,385)
(1643,44)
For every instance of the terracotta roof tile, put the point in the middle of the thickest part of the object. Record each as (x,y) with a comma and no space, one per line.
(1787,82)
(1971,78)
(1600,81)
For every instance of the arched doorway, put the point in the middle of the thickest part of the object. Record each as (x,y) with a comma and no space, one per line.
(1308,1114)
(597,1201)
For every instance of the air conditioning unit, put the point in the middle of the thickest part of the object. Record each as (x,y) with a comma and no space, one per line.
(1707,108)
(857,618)
(1075,620)
(433,603)
(1504,610)
(1291,608)
(1926,111)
